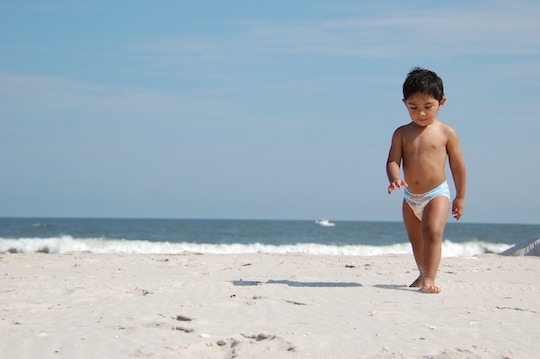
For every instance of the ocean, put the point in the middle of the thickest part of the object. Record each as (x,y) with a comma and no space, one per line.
(172,236)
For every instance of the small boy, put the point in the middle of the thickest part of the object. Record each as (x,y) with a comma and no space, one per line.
(423,146)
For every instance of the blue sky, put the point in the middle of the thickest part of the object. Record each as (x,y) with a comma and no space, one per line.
(252,109)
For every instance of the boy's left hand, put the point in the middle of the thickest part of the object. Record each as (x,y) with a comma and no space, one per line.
(457,208)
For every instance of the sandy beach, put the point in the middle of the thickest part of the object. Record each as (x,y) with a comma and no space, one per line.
(83,305)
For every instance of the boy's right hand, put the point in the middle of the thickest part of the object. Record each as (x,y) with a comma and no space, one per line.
(396,184)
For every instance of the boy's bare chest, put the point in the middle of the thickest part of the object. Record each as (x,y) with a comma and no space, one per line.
(427,141)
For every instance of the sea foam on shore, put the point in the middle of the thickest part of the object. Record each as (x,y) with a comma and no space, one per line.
(66,244)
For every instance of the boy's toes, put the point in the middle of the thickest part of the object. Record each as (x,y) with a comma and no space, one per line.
(430,288)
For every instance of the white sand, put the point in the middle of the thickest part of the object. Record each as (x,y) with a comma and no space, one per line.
(265,306)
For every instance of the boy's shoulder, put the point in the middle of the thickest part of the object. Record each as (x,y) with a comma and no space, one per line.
(446,128)
(405,128)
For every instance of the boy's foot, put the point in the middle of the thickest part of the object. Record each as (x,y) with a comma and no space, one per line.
(430,288)
(417,283)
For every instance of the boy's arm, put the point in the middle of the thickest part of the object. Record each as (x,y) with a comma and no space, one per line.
(394,162)
(459,173)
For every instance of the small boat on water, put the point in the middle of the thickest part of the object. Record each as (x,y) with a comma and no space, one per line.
(325,223)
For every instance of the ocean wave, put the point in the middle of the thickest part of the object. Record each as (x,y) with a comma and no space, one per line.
(67,244)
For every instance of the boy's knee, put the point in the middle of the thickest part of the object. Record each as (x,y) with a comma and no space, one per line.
(433,232)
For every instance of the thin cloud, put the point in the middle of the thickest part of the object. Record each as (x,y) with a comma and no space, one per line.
(494,28)
(39,97)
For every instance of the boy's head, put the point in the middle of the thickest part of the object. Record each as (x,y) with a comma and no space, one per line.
(423,81)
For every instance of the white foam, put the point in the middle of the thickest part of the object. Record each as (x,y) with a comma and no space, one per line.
(66,244)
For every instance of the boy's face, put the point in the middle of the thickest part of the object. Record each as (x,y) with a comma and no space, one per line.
(423,108)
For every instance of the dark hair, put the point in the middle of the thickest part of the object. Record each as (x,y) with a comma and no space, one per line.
(423,81)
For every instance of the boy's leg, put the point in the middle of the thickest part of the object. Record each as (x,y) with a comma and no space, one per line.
(413,226)
(433,223)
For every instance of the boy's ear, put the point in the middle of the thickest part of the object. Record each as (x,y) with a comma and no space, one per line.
(442,102)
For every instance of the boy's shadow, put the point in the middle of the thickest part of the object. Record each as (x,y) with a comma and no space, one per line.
(292,283)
